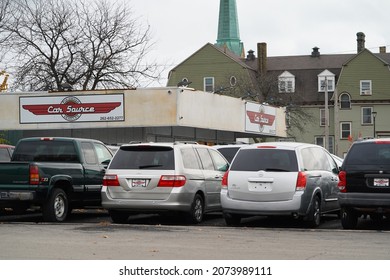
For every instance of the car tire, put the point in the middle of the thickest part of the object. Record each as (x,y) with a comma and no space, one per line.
(231,219)
(56,207)
(197,210)
(314,216)
(377,218)
(349,218)
(118,217)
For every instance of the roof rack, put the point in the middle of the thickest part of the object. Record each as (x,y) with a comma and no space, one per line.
(186,142)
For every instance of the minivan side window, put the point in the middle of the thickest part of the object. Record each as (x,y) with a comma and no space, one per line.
(190,160)
(205,158)
(219,162)
(315,159)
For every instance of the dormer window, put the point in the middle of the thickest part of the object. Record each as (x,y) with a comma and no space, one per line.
(365,87)
(326,80)
(286,82)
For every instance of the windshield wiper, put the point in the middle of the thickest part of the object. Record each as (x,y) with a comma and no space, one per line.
(149,166)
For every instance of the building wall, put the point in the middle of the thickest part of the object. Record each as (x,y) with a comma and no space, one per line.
(153,114)
(207,62)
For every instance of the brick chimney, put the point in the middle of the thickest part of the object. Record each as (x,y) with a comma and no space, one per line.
(262,58)
(382,49)
(360,41)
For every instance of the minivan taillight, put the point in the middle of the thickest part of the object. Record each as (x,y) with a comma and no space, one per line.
(301,181)
(172,181)
(111,180)
(34,175)
(225,179)
(342,185)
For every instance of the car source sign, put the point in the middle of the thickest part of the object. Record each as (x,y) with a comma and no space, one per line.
(80,108)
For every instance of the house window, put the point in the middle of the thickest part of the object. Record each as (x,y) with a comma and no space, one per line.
(286,82)
(345,101)
(326,80)
(367,115)
(209,84)
(322,117)
(320,141)
(345,130)
(365,87)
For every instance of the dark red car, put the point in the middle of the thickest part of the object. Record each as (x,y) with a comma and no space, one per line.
(6,152)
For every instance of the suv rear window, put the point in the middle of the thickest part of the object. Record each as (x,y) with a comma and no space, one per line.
(375,153)
(265,159)
(144,157)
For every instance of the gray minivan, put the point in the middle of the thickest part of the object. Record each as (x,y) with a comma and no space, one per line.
(280,178)
(163,177)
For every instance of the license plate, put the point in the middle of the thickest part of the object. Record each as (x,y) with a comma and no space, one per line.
(4,195)
(260,187)
(138,183)
(381,182)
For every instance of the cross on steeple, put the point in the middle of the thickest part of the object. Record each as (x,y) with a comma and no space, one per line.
(228,31)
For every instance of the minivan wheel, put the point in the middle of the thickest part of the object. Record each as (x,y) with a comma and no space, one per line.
(118,217)
(232,219)
(314,216)
(197,209)
(349,218)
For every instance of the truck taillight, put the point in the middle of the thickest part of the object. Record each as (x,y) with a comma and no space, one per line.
(225,179)
(110,180)
(342,185)
(34,175)
(301,181)
(172,181)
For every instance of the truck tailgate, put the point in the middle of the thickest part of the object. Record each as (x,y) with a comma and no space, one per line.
(13,174)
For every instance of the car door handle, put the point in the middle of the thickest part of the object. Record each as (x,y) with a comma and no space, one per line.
(218,177)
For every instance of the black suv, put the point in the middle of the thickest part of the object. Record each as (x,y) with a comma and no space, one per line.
(364,182)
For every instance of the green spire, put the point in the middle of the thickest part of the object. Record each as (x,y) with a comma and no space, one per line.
(228,31)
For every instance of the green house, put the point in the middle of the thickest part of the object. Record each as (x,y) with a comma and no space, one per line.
(211,69)
(363,99)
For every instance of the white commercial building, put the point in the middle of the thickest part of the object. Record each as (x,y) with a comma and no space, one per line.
(143,114)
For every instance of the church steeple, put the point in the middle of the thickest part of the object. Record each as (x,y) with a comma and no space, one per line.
(228,31)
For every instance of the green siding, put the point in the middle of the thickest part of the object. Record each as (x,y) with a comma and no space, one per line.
(207,62)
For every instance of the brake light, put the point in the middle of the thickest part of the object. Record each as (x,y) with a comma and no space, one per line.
(301,181)
(34,175)
(111,180)
(342,185)
(225,179)
(47,138)
(266,147)
(172,181)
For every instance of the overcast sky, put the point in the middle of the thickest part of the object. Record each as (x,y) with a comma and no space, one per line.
(181,27)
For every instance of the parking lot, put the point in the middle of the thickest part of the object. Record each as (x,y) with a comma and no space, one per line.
(89,234)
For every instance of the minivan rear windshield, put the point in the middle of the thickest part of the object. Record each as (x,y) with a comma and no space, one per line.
(265,159)
(143,157)
(369,153)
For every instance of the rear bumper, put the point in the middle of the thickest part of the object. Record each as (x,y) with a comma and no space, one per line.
(365,200)
(287,207)
(175,202)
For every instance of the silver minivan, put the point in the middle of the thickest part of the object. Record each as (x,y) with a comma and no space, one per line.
(280,178)
(163,177)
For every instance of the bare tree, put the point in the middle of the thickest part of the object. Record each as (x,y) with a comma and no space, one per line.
(264,89)
(79,44)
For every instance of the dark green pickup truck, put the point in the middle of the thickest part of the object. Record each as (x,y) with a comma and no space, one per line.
(56,174)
